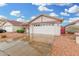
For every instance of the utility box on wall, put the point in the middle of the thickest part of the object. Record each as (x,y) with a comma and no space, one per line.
(77,37)
(62,30)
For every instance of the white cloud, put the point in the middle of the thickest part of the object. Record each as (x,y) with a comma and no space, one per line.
(64,14)
(20,19)
(43,8)
(3,17)
(59,4)
(53,14)
(63,4)
(27,20)
(73,19)
(41,4)
(30,19)
(73,9)
(2,4)
(66,10)
(22,16)
(33,17)
(16,13)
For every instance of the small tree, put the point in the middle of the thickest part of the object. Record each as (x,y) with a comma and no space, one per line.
(20,31)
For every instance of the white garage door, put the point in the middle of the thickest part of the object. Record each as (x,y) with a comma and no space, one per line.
(50,30)
(8,28)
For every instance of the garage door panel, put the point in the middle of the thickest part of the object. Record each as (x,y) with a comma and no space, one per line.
(51,30)
(8,28)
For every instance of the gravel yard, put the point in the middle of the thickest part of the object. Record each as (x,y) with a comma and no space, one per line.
(65,45)
(9,36)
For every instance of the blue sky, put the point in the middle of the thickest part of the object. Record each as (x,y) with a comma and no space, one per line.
(27,11)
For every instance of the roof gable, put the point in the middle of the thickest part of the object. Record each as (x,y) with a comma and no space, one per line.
(53,18)
(2,22)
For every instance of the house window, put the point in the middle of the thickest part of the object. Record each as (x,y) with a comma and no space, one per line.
(48,24)
(43,24)
(53,24)
(36,25)
(56,24)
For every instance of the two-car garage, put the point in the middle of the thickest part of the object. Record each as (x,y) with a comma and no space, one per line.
(44,24)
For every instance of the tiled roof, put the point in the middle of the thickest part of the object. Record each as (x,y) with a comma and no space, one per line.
(16,23)
(72,23)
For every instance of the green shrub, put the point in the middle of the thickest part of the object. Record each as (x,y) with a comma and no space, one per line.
(71,31)
(20,30)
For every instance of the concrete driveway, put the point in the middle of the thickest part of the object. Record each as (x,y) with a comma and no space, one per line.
(39,45)
(18,44)
(42,38)
(22,48)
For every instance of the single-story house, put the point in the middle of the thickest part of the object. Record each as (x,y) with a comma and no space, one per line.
(45,24)
(12,25)
(72,27)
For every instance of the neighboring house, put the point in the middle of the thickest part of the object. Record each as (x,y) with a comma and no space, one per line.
(2,21)
(12,26)
(45,24)
(72,27)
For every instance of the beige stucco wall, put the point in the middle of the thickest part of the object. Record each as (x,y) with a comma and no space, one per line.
(7,24)
(10,27)
(43,19)
(15,28)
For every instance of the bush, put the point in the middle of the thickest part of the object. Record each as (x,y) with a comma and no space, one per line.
(20,30)
(71,31)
